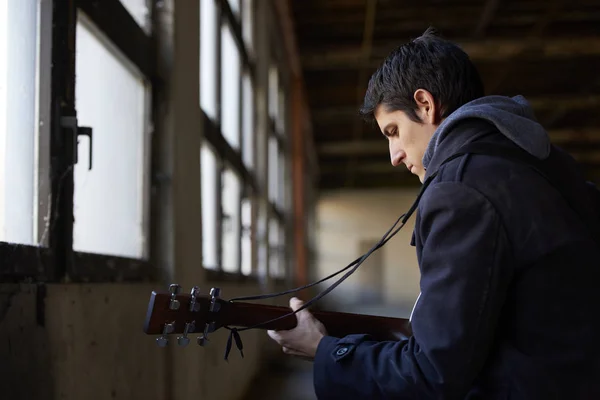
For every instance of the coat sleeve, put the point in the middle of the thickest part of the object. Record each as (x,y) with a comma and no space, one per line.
(465,269)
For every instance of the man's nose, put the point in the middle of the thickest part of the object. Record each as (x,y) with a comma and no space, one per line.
(396,156)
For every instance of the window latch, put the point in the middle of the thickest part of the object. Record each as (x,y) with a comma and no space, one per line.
(70,123)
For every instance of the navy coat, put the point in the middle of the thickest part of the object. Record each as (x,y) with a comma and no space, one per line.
(510,279)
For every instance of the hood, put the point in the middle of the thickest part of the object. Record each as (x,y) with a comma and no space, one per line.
(513,117)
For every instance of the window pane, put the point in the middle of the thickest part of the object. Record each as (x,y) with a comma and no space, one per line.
(246,236)
(276,247)
(210,211)
(248,123)
(273,91)
(273,169)
(262,239)
(208,57)
(282,183)
(18,120)
(139,11)
(235,7)
(231,221)
(110,199)
(248,25)
(230,88)
(281,113)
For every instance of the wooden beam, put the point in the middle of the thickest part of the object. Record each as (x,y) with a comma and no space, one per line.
(577,102)
(366,48)
(487,15)
(534,35)
(580,138)
(478,50)
(383,167)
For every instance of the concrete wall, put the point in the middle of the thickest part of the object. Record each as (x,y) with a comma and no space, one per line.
(85,341)
(349,220)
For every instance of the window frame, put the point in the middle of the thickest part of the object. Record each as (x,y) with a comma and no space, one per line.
(226,154)
(59,262)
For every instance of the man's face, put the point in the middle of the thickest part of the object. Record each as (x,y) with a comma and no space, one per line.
(407,139)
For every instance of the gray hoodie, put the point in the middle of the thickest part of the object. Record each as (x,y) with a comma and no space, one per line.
(513,117)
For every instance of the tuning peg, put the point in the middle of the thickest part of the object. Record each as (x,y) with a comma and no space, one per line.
(174,289)
(214,295)
(202,340)
(194,305)
(184,340)
(163,341)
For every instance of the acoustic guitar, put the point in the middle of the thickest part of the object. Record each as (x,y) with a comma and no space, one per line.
(172,312)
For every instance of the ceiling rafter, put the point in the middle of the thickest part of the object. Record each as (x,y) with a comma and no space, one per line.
(560,137)
(366,49)
(478,50)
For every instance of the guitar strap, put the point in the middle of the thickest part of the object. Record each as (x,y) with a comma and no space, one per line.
(511,153)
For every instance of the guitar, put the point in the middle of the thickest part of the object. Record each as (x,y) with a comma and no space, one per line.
(175,313)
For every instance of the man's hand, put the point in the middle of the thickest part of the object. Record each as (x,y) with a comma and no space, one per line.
(301,341)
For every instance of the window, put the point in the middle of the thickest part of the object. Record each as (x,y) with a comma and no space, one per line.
(247,236)
(140,11)
(81,191)
(110,198)
(247,25)
(227,99)
(243,225)
(210,210)
(248,126)
(208,55)
(24,124)
(230,88)
(231,221)
(277,254)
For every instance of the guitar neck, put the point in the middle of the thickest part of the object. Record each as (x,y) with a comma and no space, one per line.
(338,324)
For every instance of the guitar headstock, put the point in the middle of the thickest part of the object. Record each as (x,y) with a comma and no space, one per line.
(173,312)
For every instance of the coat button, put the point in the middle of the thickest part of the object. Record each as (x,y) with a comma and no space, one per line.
(342,351)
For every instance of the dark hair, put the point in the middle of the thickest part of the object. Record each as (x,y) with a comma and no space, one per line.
(427,62)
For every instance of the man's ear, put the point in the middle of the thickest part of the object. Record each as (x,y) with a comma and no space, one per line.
(426,107)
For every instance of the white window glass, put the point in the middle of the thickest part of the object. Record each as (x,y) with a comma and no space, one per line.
(235,7)
(230,88)
(248,25)
(246,236)
(140,11)
(248,123)
(262,240)
(231,223)
(210,211)
(23,116)
(208,57)
(273,91)
(273,169)
(282,183)
(276,246)
(281,113)
(110,199)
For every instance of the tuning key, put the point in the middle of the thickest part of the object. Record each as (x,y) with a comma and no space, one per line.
(184,340)
(174,289)
(163,341)
(214,296)
(194,305)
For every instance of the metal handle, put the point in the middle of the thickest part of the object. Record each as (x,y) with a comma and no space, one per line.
(86,131)
(70,123)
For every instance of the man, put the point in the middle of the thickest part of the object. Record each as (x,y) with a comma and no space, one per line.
(510,271)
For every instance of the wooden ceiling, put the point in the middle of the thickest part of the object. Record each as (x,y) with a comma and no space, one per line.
(546,50)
